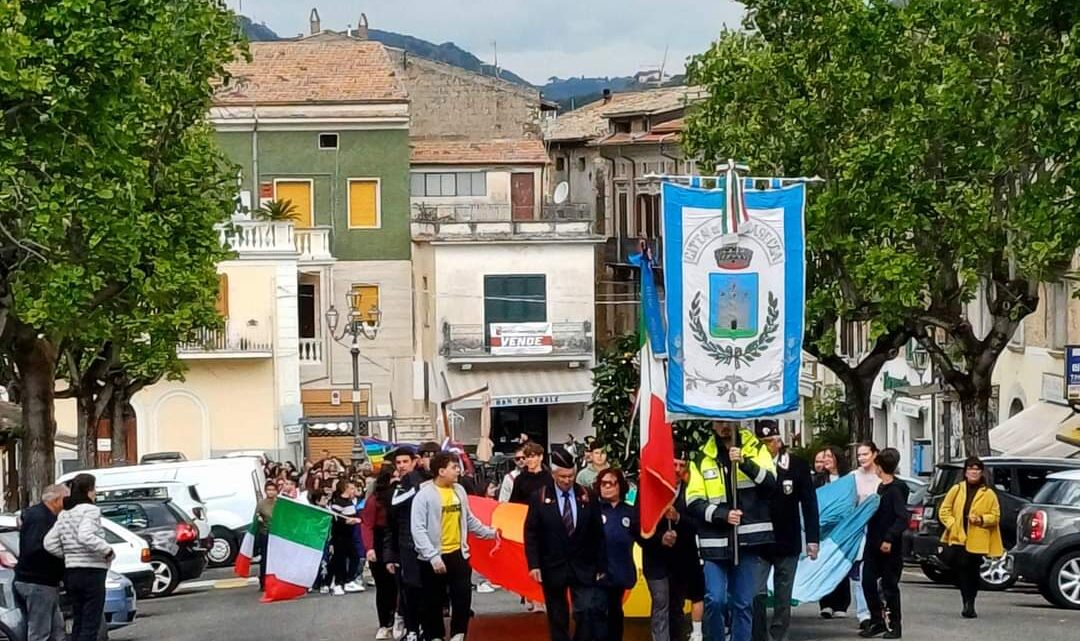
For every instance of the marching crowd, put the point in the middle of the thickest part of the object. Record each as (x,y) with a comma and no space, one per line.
(745,507)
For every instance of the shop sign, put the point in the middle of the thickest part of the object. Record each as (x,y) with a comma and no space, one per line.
(909,409)
(1072,374)
(509,401)
(520,339)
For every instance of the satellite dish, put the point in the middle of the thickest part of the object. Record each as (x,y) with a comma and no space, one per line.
(562,191)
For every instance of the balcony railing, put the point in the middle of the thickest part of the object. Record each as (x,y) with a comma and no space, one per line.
(273,239)
(570,341)
(496,222)
(311,351)
(250,339)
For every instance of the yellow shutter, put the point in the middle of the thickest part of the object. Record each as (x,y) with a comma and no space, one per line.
(363,203)
(365,299)
(297,192)
(223,295)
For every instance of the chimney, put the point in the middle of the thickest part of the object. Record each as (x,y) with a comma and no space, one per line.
(361,28)
(316,24)
(607,96)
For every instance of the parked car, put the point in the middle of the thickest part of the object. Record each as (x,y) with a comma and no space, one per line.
(1048,554)
(132,552)
(916,495)
(120,599)
(1016,480)
(228,487)
(176,552)
(183,495)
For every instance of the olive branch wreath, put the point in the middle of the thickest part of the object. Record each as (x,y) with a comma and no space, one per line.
(730,354)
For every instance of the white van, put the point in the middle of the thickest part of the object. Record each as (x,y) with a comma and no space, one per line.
(185,496)
(229,488)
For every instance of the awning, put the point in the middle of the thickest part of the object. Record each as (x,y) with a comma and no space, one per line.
(1033,432)
(523,386)
(1069,431)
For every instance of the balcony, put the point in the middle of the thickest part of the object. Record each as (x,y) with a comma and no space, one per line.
(570,341)
(250,339)
(618,250)
(257,239)
(311,351)
(461,222)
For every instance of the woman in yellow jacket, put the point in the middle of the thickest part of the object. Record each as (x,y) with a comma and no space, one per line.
(972,517)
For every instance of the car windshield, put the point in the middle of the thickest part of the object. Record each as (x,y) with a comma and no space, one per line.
(944,478)
(1060,492)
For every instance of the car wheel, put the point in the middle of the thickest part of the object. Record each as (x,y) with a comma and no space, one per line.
(936,574)
(223,548)
(166,576)
(1064,582)
(997,574)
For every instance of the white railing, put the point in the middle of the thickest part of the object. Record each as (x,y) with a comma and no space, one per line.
(250,339)
(272,239)
(311,351)
(313,244)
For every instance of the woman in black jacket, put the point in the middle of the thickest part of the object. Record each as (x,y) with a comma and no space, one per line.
(621,527)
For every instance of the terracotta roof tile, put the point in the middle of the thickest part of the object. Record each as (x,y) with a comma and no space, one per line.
(590,121)
(478,152)
(298,72)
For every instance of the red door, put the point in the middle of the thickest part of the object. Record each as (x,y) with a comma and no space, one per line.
(522,197)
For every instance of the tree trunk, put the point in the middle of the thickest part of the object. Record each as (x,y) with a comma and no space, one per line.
(35,359)
(86,439)
(857,392)
(119,429)
(975,408)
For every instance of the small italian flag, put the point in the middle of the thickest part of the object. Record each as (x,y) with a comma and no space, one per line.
(247,550)
(294,552)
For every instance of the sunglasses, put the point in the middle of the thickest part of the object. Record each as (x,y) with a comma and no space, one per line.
(519,458)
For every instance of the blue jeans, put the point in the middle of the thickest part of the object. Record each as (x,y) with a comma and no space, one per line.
(733,586)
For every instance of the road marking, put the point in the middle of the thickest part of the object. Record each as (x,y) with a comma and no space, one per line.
(217,584)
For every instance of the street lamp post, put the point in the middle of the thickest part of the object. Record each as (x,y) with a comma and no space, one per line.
(360,323)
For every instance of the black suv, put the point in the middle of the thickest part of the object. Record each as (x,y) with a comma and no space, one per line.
(176,553)
(1016,480)
(1049,550)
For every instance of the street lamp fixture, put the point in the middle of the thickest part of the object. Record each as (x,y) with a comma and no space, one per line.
(362,322)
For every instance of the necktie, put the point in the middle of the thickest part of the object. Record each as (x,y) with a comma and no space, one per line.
(567,514)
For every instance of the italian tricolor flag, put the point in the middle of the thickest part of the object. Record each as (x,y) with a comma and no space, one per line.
(657,479)
(295,549)
(247,550)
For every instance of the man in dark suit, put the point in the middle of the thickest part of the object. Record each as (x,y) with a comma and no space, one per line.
(795,497)
(564,546)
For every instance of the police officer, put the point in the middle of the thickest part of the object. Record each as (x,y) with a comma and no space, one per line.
(794,508)
(732,479)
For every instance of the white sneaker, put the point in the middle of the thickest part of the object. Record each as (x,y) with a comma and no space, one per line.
(354,586)
(338,591)
(411,637)
(840,614)
(399,626)
(458,637)
(383,634)
(826,613)
(485,588)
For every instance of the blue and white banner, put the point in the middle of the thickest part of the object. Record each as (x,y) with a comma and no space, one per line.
(735,299)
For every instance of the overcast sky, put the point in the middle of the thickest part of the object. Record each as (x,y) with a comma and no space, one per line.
(536,38)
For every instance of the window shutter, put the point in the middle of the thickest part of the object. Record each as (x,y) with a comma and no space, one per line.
(223,295)
(363,203)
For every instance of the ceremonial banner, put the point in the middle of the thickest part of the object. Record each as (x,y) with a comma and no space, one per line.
(734,272)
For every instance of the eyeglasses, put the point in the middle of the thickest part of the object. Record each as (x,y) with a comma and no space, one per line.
(608,483)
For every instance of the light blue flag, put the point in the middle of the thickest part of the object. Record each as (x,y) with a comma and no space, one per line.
(843,526)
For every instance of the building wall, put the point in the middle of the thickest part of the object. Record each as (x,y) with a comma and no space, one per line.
(382,154)
(447,101)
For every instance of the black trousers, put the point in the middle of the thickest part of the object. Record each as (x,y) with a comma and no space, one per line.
(343,560)
(86,589)
(887,569)
(386,593)
(967,569)
(409,599)
(614,602)
(839,600)
(458,581)
(589,612)
(260,549)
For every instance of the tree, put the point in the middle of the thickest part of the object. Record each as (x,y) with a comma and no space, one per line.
(111,184)
(945,136)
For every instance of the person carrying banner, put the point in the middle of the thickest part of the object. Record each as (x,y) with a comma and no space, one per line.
(794,509)
(564,547)
(441,524)
(732,536)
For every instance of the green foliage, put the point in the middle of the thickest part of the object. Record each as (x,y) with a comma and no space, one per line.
(825,423)
(278,211)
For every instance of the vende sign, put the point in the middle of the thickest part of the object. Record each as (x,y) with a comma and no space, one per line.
(520,339)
